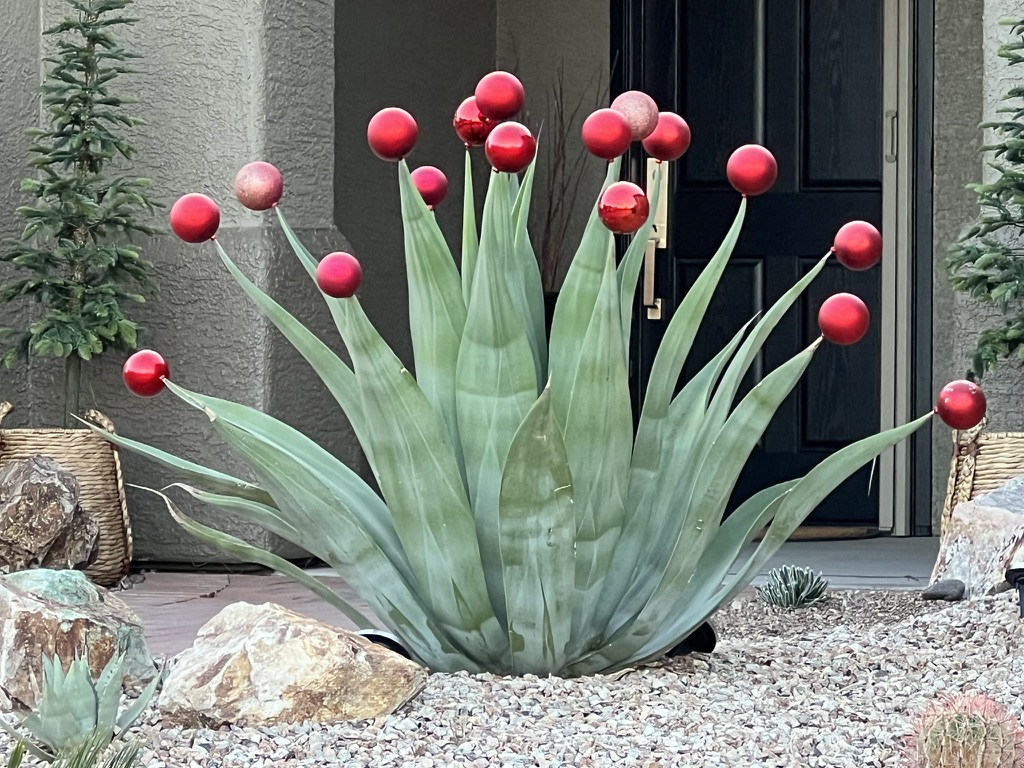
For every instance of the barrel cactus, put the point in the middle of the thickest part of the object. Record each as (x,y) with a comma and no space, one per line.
(966,730)
(525,523)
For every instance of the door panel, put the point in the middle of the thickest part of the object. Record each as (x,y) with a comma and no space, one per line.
(804,77)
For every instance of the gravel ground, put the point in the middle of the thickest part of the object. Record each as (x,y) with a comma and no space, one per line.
(831,685)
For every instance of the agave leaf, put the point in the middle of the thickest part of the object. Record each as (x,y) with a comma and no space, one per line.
(289,466)
(264,515)
(200,476)
(108,694)
(470,241)
(537,527)
(37,751)
(495,379)
(134,712)
(422,484)
(67,709)
(598,442)
(575,305)
(701,521)
(333,371)
(629,268)
(437,311)
(248,553)
(525,281)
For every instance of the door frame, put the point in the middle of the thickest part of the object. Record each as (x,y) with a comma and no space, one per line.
(903,473)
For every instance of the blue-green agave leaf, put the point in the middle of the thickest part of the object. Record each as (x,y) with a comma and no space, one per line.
(537,527)
(526,287)
(470,240)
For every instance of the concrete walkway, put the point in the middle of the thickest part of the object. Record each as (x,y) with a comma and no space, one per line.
(173,606)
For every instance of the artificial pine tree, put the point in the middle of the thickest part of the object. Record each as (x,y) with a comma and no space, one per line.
(988,260)
(77,261)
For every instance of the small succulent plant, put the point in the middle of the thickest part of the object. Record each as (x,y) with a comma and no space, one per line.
(77,715)
(966,730)
(792,586)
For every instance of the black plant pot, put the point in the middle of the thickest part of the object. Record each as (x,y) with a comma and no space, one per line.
(701,640)
(385,640)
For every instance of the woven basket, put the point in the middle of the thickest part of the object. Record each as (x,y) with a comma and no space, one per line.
(982,461)
(96,465)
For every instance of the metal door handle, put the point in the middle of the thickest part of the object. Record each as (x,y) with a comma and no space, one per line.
(652,303)
(892,140)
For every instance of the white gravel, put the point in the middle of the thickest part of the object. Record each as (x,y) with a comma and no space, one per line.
(832,685)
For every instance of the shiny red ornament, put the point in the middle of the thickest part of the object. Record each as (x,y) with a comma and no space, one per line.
(392,133)
(195,218)
(339,275)
(858,245)
(843,319)
(510,147)
(623,207)
(670,139)
(961,404)
(752,170)
(431,183)
(499,95)
(259,186)
(470,125)
(144,373)
(606,134)
(640,111)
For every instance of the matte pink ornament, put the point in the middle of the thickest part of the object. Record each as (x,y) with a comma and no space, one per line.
(470,125)
(195,218)
(670,139)
(392,133)
(858,245)
(752,170)
(431,183)
(259,186)
(640,111)
(623,207)
(510,147)
(339,275)
(144,373)
(500,95)
(844,319)
(961,404)
(606,134)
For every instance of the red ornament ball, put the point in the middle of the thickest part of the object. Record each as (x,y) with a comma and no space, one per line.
(606,134)
(392,133)
(961,404)
(510,147)
(640,111)
(470,125)
(843,319)
(259,186)
(752,170)
(431,183)
(195,217)
(623,207)
(858,245)
(670,139)
(339,275)
(499,95)
(144,373)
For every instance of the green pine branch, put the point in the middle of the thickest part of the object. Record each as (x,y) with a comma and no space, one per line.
(987,262)
(77,263)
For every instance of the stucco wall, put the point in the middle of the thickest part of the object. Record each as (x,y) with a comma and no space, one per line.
(970,78)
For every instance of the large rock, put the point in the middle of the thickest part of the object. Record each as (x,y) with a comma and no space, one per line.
(44,612)
(41,521)
(265,664)
(982,538)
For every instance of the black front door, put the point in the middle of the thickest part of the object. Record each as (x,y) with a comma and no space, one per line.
(804,78)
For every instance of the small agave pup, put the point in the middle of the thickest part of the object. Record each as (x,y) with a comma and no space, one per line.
(525,524)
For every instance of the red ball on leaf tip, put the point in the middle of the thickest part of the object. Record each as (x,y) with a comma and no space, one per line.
(606,134)
(858,245)
(510,147)
(144,373)
(195,218)
(961,404)
(670,139)
(623,207)
(392,133)
(844,319)
(259,186)
(431,183)
(752,170)
(339,274)
(499,95)
(470,124)
(640,111)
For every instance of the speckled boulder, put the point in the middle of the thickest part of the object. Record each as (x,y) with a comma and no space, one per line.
(45,612)
(265,664)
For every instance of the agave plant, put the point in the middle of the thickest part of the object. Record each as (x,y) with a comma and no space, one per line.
(524,524)
(78,717)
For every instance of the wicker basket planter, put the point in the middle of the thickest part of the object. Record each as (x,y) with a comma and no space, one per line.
(982,461)
(96,465)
